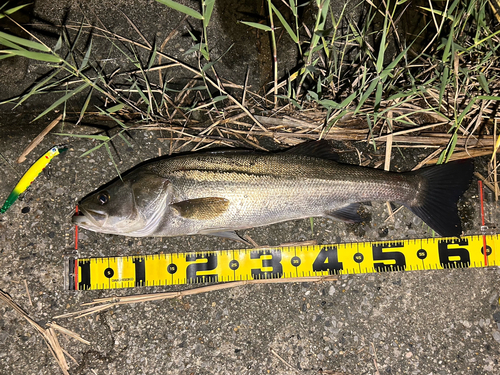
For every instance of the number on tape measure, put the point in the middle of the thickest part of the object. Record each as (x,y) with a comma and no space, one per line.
(280,262)
(453,254)
(271,266)
(328,260)
(194,270)
(389,260)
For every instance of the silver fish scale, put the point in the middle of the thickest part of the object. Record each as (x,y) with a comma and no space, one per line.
(265,189)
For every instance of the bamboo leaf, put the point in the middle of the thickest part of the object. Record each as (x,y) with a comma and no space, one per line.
(381,52)
(193,49)
(483,82)
(257,25)
(450,148)
(439,13)
(24,42)
(62,100)
(92,150)
(112,159)
(87,136)
(13,10)
(389,68)
(181,8)
(444,83)
(153,57)
(313,95)
(33,55)
(204,51)
(348,100)
(446,53)
(85,60)
(115,108)
(330,104)
(367,93)
(58,45)
(465,112)
(488,97)
(9,44)
(378,96)
(207,14)
(219,98)
(85,105)
(141,93)
(39,86)
(120,134)
(287,27)
(108,114)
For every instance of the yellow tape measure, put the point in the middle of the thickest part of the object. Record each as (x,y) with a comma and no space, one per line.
(281,262)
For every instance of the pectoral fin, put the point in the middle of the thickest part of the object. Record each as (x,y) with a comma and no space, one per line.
(201,208)
(348,214)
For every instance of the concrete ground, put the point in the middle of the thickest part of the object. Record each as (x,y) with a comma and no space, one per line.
(425,322)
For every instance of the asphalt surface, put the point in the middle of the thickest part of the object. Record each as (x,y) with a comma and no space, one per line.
(424,322)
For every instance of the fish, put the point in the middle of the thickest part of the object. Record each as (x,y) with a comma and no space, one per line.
(220,192)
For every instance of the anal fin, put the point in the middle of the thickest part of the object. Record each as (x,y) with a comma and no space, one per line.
(229,234)
(348,214)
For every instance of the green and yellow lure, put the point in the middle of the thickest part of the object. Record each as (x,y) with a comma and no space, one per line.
(30,175)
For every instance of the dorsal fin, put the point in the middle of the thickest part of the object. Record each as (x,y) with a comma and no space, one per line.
(317,149)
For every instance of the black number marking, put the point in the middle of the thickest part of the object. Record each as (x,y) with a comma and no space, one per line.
(328,260)
(172,268)
(380,255)
(274,263)
(488,250)
(140,271)
(193,269)
(448,256)
(358,257)
(296,261)
(109,272)
(84,275)
(421,254)
(234,264)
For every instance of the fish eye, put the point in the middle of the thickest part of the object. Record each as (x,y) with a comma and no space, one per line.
(103,198)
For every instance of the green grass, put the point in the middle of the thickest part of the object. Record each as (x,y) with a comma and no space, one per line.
(372,73)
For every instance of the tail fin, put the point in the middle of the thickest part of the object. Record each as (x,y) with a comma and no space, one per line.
(444,185)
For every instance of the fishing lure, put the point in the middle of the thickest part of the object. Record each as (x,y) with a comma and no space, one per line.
(30,175)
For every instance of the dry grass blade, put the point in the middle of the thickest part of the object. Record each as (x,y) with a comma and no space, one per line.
(412,130)
(68,332)
(485,181)
(428,158)
(285,362)
(388,155)
(116,301)
(495,176)
(39,138)
(28,292)
(457,155)
(197,72)
(48,334)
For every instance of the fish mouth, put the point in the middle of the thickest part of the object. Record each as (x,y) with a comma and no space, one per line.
(89,218)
